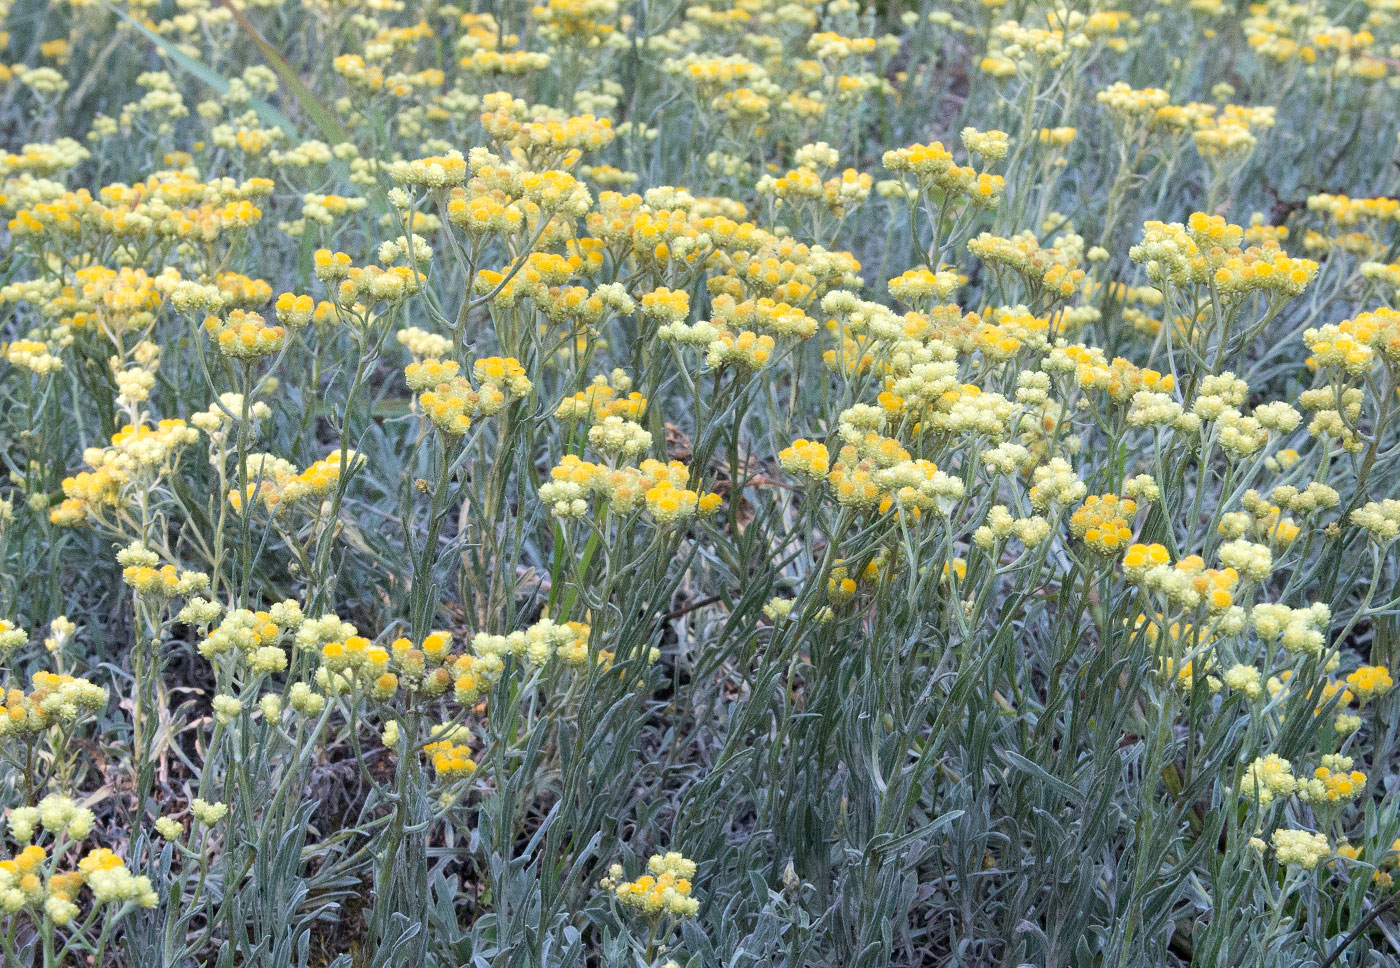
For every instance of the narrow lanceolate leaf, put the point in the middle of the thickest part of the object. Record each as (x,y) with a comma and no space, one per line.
(325,120)
(204,72)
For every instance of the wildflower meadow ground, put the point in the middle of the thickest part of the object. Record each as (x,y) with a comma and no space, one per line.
(699,483)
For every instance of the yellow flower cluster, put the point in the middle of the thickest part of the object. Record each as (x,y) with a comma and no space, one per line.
(245,335)
(661,489)
(921,287)
(353,663)
(450,401)
(601,400)
(664,889)
(1354,344)
(31,879)
(1333,782)
(1267,778)
(1300,848)
(53,699)
(138,454)
(806,458)
(448,753)
(277,486)
(1370,682)
(1103,523)
(1207,251)
(1053,271)
(932,166)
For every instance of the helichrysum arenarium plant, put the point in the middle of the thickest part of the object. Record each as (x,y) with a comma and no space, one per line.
(732,483)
